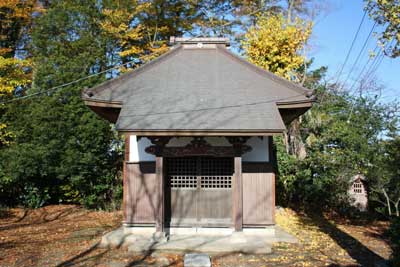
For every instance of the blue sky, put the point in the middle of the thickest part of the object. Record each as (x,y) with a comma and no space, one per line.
(333,34)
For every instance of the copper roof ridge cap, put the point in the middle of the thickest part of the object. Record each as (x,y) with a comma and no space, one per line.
(194,40)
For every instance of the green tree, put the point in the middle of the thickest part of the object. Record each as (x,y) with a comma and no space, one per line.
(62,151)
(385,177)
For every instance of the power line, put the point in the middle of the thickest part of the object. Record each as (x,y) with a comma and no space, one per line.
(107,70)
(75,81)
(379,61)
(214,108)
(375,65)
(347,56)
(371,70)
(359,55)
(351,46)
(365,66)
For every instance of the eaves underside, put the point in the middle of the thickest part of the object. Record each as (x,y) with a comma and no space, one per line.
(119,104)
(268,132)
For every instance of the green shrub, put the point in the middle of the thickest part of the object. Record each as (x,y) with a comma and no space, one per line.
(34,197)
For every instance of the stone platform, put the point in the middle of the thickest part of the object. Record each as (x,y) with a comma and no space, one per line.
(144,240)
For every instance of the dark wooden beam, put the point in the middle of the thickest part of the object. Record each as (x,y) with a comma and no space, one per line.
(237,195)
(190,133)
(159,144)
(239,144)
(160,219)
(239,147)
(274,163)
(197,147)
(125,178)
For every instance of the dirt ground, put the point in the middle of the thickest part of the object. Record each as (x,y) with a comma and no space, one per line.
(67,235)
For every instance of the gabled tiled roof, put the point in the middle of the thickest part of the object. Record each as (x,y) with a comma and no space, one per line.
(199,89)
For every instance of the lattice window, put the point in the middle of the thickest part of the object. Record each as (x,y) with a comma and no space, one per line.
(358,187)
(181,166)
(216,182)
(217,166)
(211,172)
(178,181)
(216,172)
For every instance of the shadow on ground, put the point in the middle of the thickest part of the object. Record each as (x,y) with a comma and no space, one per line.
(357,250)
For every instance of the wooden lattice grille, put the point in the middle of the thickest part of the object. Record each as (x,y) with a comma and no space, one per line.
(182,173)
(200,172)
(216,172)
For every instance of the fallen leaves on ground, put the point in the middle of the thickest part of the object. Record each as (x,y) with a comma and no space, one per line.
(67,235)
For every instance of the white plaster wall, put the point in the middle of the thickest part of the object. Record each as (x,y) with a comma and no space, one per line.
(259,152)
(137,148)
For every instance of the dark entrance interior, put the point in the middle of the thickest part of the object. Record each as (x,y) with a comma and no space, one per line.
(199,191)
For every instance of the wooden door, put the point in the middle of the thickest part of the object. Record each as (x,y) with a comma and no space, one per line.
(199,191)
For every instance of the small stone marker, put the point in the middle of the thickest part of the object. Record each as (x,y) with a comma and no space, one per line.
(197,260)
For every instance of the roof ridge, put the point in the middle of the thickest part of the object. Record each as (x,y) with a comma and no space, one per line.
(102,86)
(290,85)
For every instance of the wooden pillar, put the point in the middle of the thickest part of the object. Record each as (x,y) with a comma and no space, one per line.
(125,178)
(239,147)
(237,195)
(273,160)
(158,146)
(160,194)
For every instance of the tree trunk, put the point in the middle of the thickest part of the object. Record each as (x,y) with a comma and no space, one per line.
(286,141)
(289,11)
(396,206)
(387,201)
(295,145)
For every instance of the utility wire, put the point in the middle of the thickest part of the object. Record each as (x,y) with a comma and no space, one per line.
(322,98)
(75,81)
(373,67)
(359,55)
(213,108)
(107,70)
(351,47)
(365,66)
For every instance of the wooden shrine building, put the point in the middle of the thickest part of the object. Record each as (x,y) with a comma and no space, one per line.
(198,123)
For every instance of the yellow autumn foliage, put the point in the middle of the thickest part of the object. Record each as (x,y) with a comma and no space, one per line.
(133,40)
(311,238)
(16,19)
(5,136)
(12,74)
(276,45)
(12,69)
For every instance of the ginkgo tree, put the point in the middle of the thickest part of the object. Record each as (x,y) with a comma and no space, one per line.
(141,29)
(16,18)
(132,38)
(277,45)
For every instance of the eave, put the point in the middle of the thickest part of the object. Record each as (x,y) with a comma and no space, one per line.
(202,132)
(298,104)
(101,103)
(108,110)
